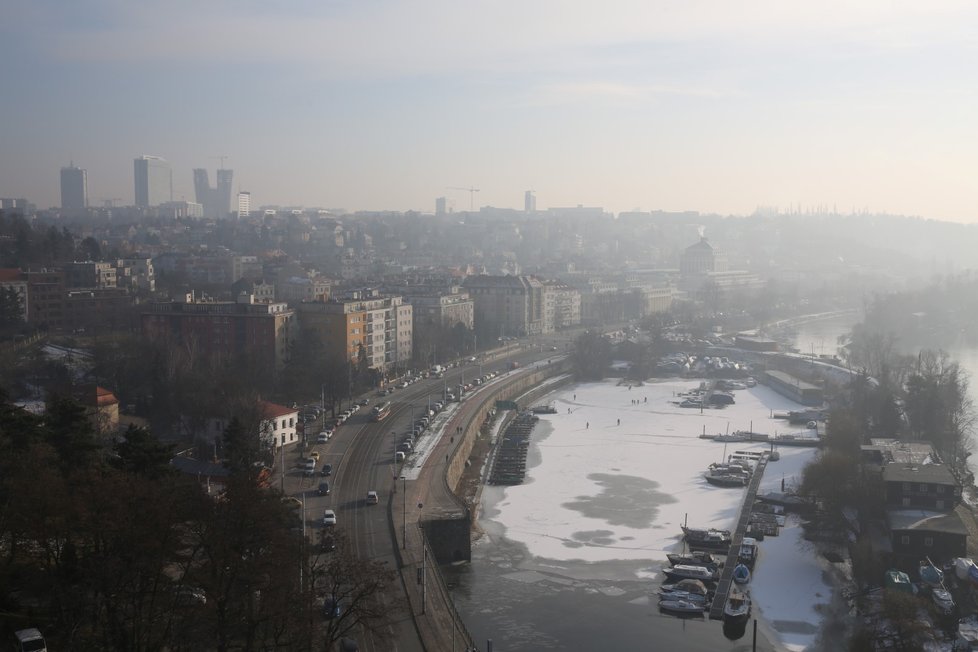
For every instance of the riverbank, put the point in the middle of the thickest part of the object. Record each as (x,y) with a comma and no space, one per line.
(610,478)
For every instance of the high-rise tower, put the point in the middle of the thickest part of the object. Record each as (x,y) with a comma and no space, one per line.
(153,180)
(529,202)
(74,189)
(216,201)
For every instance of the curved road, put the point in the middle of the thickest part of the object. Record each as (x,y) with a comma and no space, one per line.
(362,455)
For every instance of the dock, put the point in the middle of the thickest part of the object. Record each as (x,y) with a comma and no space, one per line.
(736,538)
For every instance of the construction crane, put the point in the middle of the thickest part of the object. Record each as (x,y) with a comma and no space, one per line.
(222,157)
(471,192)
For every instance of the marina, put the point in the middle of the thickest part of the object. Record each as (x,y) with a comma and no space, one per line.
(613,481)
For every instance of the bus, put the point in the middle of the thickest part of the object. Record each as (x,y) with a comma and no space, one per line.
(381,411)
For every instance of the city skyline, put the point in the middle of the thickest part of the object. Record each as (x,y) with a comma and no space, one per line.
(710,108)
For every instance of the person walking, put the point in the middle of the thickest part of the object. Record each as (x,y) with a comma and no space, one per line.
(619,422)
(587,425)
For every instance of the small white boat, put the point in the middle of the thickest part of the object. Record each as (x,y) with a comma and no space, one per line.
(684,572)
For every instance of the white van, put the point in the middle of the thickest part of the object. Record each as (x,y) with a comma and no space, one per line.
(30,640)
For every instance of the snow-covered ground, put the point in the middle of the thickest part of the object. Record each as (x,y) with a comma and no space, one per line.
(616,471)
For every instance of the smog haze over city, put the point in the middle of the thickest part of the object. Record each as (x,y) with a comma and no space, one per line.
(426,326)
(706,106)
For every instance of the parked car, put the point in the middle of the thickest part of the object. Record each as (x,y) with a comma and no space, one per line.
(362,402)
(327,469)
(372,498)
(332,608)
(314,455)
(329,517)
(323,437)
(323,488)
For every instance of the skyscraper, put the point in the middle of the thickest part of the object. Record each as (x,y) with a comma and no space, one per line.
(244,204)
(529,202)
(440,206)
(74,188)
(216,201)
(153,181)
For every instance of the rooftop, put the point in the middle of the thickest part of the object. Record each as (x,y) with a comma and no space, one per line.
(927,473)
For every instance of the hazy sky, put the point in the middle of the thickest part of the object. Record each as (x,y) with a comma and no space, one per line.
(382,104)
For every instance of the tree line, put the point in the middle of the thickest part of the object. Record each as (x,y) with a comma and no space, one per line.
(104,546)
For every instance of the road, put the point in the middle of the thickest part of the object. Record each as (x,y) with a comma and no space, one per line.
(362,455)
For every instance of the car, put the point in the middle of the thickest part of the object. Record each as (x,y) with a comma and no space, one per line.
(399,456)
(372,498)
(404,385)
(308,472)
(355,408)
(292,501)
(553,348)
(329,517)
(404,447)
(323,488)
(314,455)
(363,402)
(186,596)
(332,607)
(309,463)
(323,437)
(327,469)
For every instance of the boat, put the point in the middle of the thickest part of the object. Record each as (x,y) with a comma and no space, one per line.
(790,502)
(721,479)
(682,595)
(797,440)
(683,572)
(730,437)
(748,552)
(931,575)
(966,570)
(943,601)
(737,607)
(682,606)
(685,586)
(544,409)
(709,539)
(700,558)
(741,574)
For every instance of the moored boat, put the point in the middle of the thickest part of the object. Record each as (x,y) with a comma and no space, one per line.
(709,539)
(748,552)
(723,479)
(943,601)
(700,558)
(682,606)
(682,595)
(683,572)
(741,574)
(685,586)
(931,575)
(737,607)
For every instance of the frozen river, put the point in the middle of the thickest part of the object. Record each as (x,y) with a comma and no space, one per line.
(611,477)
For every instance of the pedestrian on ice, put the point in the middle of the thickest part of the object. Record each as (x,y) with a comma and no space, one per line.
(619,422)
(587,425)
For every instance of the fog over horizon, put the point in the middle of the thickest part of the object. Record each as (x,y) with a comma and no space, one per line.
(704,106)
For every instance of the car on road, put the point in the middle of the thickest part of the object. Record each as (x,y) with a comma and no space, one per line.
(309,463)
(327,469)
(314,455)
(372,498)
(363,402)
(329,517)
(323,488)
(323,437)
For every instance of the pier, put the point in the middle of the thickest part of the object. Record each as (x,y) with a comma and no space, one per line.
(736,538)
